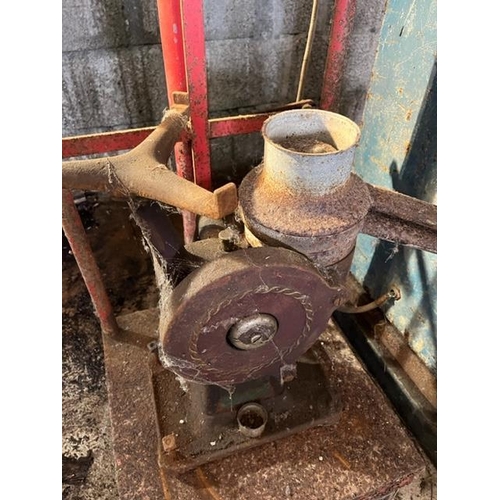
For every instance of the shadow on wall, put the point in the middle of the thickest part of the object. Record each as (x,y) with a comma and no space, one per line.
(414,269)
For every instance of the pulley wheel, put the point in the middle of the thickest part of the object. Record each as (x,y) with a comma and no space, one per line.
(248,314)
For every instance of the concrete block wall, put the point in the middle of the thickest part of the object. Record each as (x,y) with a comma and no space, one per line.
(113,74)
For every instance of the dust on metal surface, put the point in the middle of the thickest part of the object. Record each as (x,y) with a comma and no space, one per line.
(246,124)
(288,200)
(364,455)
(203,307)
(135,440)
(143,172)
(309,400)
(309,151)
(368,452)
(305,197)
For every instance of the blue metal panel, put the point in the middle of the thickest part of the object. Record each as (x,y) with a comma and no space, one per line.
(398,151)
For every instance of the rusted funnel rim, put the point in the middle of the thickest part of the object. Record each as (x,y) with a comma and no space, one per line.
(282,129)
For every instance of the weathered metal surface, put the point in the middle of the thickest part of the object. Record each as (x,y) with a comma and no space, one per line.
(246,124)
(392,294)
(307,401)
(309,151)
(143,172)
(408,383)
(401,219)
(172,44)
(75,233)
(105,142)
(135,440)
(196,71)
(398,151)
(252,332)
(367,454)
(409,361)
(235,125)
(342,23)
(305,198)
(196,318)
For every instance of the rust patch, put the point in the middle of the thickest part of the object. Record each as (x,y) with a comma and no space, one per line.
(143,172)
(366,454)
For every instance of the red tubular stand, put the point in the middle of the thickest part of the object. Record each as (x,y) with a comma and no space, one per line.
(183,45)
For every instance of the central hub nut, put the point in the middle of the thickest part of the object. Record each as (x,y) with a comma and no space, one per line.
(253,331)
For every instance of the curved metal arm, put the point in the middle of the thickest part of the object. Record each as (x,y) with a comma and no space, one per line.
(143,172)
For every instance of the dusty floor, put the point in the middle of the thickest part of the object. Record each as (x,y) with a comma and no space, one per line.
(87,458)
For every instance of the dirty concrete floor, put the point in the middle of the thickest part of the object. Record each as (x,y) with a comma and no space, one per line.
(87,457)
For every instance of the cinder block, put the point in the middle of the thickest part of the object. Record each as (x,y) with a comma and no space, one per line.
(227,19)
(251,72)
(110,90)
(98,24)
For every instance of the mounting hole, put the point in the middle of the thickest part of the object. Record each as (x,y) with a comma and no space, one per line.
(252,419)
(153,345)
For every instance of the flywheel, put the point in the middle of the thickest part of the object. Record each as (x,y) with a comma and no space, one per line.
(244,315)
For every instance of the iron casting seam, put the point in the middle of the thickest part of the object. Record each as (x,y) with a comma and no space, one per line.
(308,49)
(393,293)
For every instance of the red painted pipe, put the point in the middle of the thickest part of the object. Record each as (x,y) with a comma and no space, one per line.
(172,43)
(105,142)
(196,69)
(342,23)
(75,233)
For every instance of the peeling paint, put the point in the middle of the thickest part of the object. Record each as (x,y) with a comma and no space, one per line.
(397,151)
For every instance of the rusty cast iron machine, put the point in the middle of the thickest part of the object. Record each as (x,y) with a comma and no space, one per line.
(237,362)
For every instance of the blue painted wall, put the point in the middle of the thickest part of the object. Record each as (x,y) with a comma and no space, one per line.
(398,151)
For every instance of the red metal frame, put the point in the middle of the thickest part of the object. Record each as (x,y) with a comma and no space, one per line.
(75,233)
(106,142)
(183,47)
(343,20)
(172,42)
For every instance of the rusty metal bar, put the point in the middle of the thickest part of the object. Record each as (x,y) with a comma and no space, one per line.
(196,71)
(245,124)
(343,20)
(172,45)
(402,219)
(104,142)
(75,233)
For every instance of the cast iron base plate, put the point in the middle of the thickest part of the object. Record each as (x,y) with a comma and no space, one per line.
(307,401)
(366,454)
